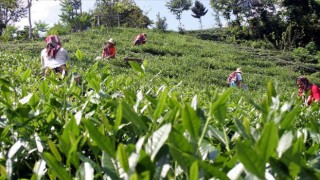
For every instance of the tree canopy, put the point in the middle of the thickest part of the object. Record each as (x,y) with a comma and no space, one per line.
(286,23)
(120,13)
(198,11)
(176,7)
(11,11)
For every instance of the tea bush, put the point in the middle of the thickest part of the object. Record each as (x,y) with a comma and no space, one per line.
(170,117)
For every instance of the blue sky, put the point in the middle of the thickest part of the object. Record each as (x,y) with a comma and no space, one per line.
(49,10)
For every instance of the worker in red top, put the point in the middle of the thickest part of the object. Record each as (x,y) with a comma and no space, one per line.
(140,39)
(109,50)
(304,87)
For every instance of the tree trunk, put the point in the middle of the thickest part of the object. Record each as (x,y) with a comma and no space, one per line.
(80,7)
(30,24)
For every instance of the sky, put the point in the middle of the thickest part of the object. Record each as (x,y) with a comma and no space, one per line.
(49,10)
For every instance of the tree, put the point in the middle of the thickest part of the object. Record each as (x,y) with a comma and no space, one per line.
(161,23)
(29,18)
(177,7)
(199,10)
(9,33)
(111,13)
(11,11)
(41,26)
(72,15)
(304,17)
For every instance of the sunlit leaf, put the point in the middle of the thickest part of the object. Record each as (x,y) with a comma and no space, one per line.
(157,139)
(38,143)
(40,168)
(236,171)
(86,172)
(208,151)
(78,117)
(285,143)
(14,149)
(26,99)
(218,135)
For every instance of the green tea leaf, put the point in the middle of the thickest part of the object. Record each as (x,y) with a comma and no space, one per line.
(130,115)
(14,148)
(5,82)
(250,159)
(85,172)
(181,150)
(123,157)
(157,139)
(54,150)
(194,171)
(191,122)
(289,118)
(212,170)
(108,165)
(59,171)
(136,67)
(79,55)
(219,135)
(40,168)
(117,122)
(102,141)
(219,107)
(44,88)
(161,104)
(25,75)
(285,143)
(268,141)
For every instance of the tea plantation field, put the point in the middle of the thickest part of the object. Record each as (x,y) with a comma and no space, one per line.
(172,117)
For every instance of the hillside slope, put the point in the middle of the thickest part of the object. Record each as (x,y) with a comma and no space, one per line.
(174,58)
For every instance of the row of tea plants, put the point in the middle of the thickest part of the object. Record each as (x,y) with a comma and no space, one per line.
(133,125)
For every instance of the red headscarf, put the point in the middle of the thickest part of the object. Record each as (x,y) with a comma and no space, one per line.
(53,45)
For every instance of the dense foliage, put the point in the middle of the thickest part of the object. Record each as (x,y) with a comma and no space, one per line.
(11,11)
(170,117)
(120,13)
(286,24)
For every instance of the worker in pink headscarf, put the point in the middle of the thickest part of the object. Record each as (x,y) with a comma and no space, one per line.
(54,56)
(140,39)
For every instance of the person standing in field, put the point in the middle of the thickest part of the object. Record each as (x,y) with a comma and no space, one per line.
(54,56)
(235,78)
(140,39)
(109,50)
(305,87)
